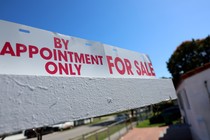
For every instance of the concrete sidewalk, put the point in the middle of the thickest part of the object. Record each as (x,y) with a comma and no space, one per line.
(173,132)
(151,133)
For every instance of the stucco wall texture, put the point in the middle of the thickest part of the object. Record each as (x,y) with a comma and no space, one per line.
(34,101)
(196,109)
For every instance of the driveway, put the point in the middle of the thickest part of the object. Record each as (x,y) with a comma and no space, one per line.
(173,132)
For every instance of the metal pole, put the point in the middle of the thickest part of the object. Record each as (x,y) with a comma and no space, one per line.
(3,137)
(38,132)
(126,125)
(108,133)
(83,137)
(119,130)
(96,135)
(131,123)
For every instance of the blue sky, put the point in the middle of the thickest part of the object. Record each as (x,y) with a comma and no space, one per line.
(154,27)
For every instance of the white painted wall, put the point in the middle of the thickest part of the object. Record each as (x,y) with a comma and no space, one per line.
(198,113)
(33,101)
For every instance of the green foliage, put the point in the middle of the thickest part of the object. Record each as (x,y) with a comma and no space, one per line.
(156,119)
(188,56)
(158,108)
(146,123)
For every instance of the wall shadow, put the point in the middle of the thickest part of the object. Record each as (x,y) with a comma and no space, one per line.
(177,132)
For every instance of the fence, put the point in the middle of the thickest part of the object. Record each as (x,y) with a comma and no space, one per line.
(111,132)
(143,113)
(118,129)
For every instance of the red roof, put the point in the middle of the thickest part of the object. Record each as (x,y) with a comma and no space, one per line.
(195,71)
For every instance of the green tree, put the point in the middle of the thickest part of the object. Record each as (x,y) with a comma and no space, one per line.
(188,56)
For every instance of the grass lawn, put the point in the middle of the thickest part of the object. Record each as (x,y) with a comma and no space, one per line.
(104,134)
(146,123)
(98,120)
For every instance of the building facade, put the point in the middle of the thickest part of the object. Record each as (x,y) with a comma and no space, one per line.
(194,99)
